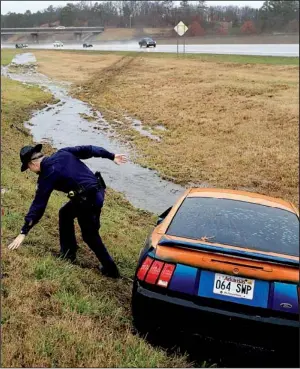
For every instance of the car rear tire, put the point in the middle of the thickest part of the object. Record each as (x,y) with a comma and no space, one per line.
(139,325)
(142,322)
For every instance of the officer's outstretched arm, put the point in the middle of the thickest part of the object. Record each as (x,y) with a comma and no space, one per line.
(89,151)
(37,208)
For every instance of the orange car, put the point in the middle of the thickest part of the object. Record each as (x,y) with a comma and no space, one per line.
(223,264)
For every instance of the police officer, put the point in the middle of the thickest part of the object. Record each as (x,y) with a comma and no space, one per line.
(64,171)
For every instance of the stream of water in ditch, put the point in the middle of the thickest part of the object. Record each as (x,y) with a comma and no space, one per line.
(63,124)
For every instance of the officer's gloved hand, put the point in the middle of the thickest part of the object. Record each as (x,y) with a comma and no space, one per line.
(120,159)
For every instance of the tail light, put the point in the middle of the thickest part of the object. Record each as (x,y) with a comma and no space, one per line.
(144,268)
(166,275)
(156,272)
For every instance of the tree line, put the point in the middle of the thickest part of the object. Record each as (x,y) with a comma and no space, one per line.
(279,16)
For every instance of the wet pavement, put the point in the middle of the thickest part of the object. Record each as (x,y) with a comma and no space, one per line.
(229,49)
(71,122)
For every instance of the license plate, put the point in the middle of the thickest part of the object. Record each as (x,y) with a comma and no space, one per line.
(227,285)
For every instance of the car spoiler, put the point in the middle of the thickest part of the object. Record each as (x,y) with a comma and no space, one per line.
(231,251)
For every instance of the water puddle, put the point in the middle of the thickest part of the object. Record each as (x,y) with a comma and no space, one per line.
(160,127)
(26,58)
(65,124)
(137,125)
(3,191)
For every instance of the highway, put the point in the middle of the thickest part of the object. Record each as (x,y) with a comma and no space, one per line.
(291,50)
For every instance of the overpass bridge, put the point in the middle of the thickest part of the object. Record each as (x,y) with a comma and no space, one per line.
(36,31)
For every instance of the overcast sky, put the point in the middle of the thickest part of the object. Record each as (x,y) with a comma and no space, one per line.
(34,6)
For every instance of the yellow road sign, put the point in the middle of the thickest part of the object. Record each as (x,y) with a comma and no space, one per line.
(181,28)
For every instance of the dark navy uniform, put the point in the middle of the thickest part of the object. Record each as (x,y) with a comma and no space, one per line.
(64,171)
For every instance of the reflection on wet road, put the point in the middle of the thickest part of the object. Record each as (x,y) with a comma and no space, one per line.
(229,49)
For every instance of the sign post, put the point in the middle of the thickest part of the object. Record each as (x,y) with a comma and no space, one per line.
(180,29)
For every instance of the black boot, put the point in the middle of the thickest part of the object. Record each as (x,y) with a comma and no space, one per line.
(110,271)
(68,257)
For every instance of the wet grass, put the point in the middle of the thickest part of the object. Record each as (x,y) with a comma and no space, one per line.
(55,314)
(61,315)
(218,58)
(229,125)
(7,55)
(87,117)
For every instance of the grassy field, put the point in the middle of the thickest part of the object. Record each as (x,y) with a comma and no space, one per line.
(49,56)
(74,72)
(7,55)
(232,39)
(55,314)
(232,121)
(116,34)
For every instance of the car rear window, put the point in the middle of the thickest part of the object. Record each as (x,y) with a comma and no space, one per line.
(237,223)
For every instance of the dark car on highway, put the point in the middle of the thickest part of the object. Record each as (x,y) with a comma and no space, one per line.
(21,46)
(87,45)
(224,265)
(147,42)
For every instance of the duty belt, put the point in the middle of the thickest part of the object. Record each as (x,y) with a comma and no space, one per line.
(82,194)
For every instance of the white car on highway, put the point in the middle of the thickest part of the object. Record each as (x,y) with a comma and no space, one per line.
(58,44)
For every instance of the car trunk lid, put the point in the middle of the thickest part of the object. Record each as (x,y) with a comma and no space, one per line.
(229,260)
(200,271)
(227,250)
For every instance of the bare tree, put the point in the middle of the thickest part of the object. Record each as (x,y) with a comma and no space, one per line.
(273,15)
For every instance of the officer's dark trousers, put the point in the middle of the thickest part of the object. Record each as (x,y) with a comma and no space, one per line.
(88,216)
